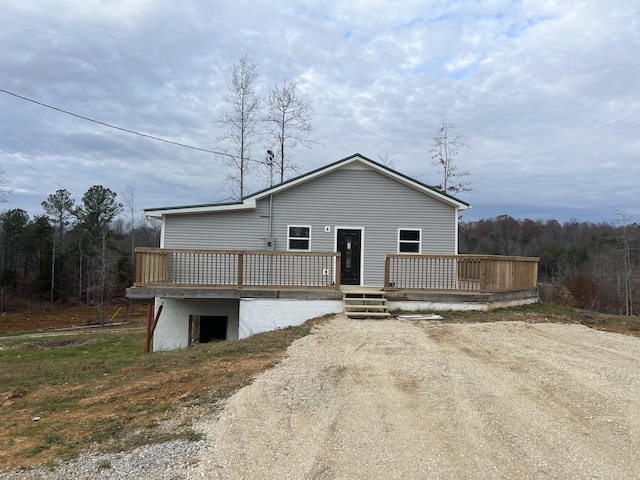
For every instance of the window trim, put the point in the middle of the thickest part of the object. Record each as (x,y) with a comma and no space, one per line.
(289,238)
(412,242)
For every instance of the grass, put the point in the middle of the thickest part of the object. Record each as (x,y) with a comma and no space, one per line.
(100,390)
(542,312)
(34,363)
(505,313)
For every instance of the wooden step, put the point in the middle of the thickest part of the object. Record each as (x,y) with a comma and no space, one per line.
(366,303)
(368,315)
(365,308)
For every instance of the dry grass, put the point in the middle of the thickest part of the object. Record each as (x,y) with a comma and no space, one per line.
(96,389)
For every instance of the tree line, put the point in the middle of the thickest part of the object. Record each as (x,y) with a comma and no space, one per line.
(84,253)
(76,253)
(583,264)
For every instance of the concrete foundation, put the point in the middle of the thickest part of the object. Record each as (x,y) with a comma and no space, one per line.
(417,301)
(270,309)
(172,331)
(245,316)
(262,315)
(423,306)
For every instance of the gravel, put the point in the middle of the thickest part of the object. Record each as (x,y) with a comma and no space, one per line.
(415,399)
(166,461)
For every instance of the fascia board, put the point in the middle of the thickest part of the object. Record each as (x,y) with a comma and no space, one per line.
(247,204)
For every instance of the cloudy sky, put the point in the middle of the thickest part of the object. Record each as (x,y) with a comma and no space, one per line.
(546,94)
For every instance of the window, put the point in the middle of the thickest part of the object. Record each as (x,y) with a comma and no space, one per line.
(299,237)
(409,240)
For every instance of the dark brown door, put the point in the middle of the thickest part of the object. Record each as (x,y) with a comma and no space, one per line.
(349,245)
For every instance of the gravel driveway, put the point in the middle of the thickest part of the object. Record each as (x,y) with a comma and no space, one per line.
(393,399)
(413,400)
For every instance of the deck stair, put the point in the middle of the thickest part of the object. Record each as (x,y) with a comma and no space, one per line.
(365,303)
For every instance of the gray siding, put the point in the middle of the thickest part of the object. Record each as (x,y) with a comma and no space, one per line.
(368,199)
(348,197)
(232,230)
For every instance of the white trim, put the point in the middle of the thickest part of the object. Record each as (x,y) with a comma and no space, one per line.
(419,242)
(335,248)
(367,163)
(289,249)
(355,161)
(457,227)
(247,204)
(162,229)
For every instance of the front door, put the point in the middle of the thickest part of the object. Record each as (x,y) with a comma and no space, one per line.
(349,243)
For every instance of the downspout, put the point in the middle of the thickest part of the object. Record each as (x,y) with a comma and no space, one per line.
(270,215)
(270,160)
(270,163)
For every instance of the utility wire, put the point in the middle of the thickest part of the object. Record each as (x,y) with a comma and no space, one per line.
(26,185)
(15,155)
(114,126)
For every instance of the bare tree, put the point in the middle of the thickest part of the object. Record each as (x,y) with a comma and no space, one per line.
(241,121)
(129,197)
(387,160)
(4,191)
(625,240)
(289,123)
(443,152)
(59,209)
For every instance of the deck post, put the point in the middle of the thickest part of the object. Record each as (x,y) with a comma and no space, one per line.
(483,274)
(387,270)
(149,321)
(240,269)
(337,269)
(152,327)
(139,259)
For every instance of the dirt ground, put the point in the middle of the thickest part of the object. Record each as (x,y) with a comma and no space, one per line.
(55,318)
(117,402)
(108,396)
(408,399)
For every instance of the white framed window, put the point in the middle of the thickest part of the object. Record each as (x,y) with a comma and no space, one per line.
(299,237)
(409,240)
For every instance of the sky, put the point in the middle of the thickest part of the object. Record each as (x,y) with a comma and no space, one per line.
(546,95)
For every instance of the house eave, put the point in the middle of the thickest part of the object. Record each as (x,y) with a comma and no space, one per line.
(249,202)
(246,204)
(384,170)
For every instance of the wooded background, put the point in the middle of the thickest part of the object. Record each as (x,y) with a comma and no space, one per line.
(582,264)
(71,254)
(86,255)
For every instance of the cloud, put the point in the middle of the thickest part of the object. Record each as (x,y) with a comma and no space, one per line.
(545,93)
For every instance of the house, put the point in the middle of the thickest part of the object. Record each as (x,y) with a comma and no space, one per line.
(282,255)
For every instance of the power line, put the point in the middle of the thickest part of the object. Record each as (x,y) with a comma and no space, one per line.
(15,155)
(26,185)
(114,126)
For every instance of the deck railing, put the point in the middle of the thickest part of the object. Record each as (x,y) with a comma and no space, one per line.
(236,269)
(482,273)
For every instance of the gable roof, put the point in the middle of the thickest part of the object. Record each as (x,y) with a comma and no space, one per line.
(249,202)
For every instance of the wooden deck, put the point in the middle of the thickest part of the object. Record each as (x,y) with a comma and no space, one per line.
(179,273)
(469,273)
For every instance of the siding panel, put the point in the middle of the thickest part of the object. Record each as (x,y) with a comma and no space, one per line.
(348,197)
(238,230)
